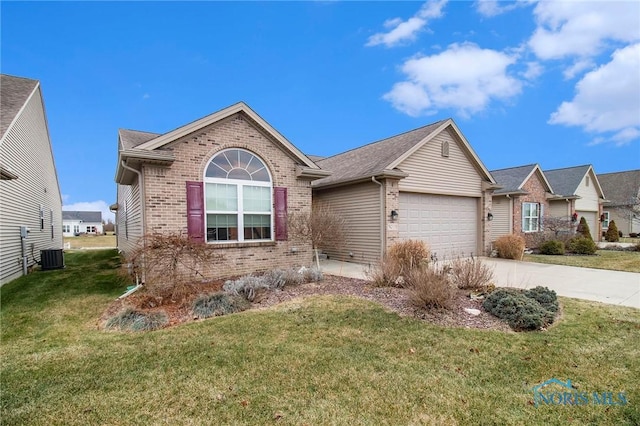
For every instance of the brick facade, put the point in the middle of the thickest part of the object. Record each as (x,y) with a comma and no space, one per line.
(537,193)
(165,192)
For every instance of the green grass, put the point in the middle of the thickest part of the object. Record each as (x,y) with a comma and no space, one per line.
(603,259)
(322,360)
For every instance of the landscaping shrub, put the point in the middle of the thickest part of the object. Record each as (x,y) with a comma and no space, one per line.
(582,245)
(547,298)
(612,233)
(248,286)
(408,254)
(430,287)
(384,273)
(522,310)
(312,275)
(131,320)
(510,246)
(280,278)
(220,303)
(470,273)
(583,228)
(552,247)
(633,235)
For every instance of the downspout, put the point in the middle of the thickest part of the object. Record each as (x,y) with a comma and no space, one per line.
(383,230)
(142,208)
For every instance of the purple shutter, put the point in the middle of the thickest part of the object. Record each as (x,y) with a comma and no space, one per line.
(280,197)
(195,211)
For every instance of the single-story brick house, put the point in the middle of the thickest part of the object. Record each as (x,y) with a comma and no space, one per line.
(577,191)
(228,179)
(623,200)
(520,205)
(426,184)
(80,222)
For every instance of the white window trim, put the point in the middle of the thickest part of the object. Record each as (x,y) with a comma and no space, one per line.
(240,212)
(537,217)
(607,220)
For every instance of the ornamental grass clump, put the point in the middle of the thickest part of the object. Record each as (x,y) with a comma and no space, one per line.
(401,258)
(217,304)
(510,246)
(130,319)
(430,287)
(470,273)
(249,287)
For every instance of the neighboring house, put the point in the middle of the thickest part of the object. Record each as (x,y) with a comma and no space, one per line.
(577,191)
(29,192)
(623,200)
(520,205)
(75,223)
(426,184)
(228,179)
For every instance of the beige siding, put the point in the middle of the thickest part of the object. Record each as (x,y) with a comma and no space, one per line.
(560,208)
(430,172)
(129,217)
(359,205)
(26,151)
(588,194)
(502,217)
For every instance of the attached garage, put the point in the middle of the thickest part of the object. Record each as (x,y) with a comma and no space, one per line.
(448,224)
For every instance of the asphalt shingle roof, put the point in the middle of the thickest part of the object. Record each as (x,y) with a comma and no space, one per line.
(566,181)
(620,188)
(372,159)
(14,92)
(83,216)
(132,138)
(511,179)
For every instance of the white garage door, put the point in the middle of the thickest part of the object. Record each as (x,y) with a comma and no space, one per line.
(592,220)
(449,225)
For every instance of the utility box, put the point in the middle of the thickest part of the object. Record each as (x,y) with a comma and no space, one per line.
(51,259)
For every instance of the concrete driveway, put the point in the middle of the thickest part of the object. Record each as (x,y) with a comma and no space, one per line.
(613,287)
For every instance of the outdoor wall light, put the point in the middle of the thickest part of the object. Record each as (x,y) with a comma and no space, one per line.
(489,216)
(394,214)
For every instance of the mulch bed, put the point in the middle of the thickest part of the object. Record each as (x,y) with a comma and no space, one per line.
(393,299)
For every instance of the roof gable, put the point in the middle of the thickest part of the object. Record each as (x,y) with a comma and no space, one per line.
(621,188)
(14,94)
(384,156)
(132,138)
(513,179)
(567,181)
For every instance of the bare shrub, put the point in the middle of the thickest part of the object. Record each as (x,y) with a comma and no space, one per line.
(470,273)
(409,254)
(510,246)
(321,225)
(430,287)
(384,273)
(171,263)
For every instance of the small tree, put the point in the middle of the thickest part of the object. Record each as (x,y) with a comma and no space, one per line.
(583,228)
(612,233)
(322,226)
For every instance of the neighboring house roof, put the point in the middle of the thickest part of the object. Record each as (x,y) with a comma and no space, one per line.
(381,158)
(622,188)
(513,179)
(136,147)
(14,93)
(82,216)
(565,182)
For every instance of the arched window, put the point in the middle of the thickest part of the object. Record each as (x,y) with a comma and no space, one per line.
(237,191)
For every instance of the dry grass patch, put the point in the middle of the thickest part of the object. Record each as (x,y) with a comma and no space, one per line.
(603,259)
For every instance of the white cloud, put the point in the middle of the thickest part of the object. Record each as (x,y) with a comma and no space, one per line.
(490,8)
(401,31)
(464,77)
(146,96)
(607,99)
(582,28)
(91,206)
(577,68)
(533,71)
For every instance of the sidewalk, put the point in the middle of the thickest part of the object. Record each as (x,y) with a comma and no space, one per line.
(613,287)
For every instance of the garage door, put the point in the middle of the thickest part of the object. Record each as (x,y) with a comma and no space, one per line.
(449,225)
(592,220)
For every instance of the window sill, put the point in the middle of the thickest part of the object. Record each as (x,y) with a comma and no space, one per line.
(244,244)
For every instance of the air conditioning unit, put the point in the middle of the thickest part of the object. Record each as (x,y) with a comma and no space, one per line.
(51,259)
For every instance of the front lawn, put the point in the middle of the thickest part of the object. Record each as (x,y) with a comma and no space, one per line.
(603,259)
(320,360)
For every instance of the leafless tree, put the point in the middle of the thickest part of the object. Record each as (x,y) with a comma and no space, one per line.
(322,226)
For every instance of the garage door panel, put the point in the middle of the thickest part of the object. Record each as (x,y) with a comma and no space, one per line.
(448,224)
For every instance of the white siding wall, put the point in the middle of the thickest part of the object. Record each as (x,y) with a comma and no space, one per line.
(128,217)
(430,172)
(588,200)
(26,151)
(359,205)
(502,223)
(560,208)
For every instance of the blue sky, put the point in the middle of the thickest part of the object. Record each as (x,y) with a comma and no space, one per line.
(557,83)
